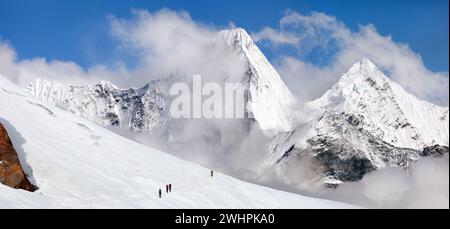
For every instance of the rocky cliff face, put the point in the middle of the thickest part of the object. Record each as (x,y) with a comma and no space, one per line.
(11,173)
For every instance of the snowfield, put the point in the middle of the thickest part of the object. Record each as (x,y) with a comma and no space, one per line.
(79,164)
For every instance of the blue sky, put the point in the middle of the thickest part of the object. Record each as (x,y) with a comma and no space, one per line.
(79,30)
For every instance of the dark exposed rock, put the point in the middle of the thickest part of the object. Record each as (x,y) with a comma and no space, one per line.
(113,119)
(346,152)
(353,120)
(11,172)
(287,153)
(351,168)
(345,162)
(434,151)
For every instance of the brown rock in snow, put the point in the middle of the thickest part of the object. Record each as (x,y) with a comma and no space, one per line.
(11,172)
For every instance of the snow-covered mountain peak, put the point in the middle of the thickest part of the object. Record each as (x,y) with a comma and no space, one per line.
(236,37)
(389,111)
(106,86)
(365,66)
(365,119)
(362,74)
(270,100)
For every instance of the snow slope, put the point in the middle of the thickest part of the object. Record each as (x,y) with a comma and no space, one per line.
(79,164)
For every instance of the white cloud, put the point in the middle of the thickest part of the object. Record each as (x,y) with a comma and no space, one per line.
(305,80)
(22,72)
(165,43)
(325,33)
(275,37)
(170,42)
(424,185)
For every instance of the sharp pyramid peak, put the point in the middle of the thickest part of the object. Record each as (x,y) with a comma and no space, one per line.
(362,75)
(235,31)
(236,35)
(362,70)
(365,65)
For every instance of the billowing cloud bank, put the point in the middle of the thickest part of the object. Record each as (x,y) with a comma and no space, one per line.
(424,185)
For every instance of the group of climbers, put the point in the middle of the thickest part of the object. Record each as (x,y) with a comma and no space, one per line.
(168,189)
(169,186)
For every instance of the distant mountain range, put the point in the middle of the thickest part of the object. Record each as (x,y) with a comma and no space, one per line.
(363,123)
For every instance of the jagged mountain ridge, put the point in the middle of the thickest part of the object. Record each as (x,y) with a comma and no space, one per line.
(269,101)
(142,109)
